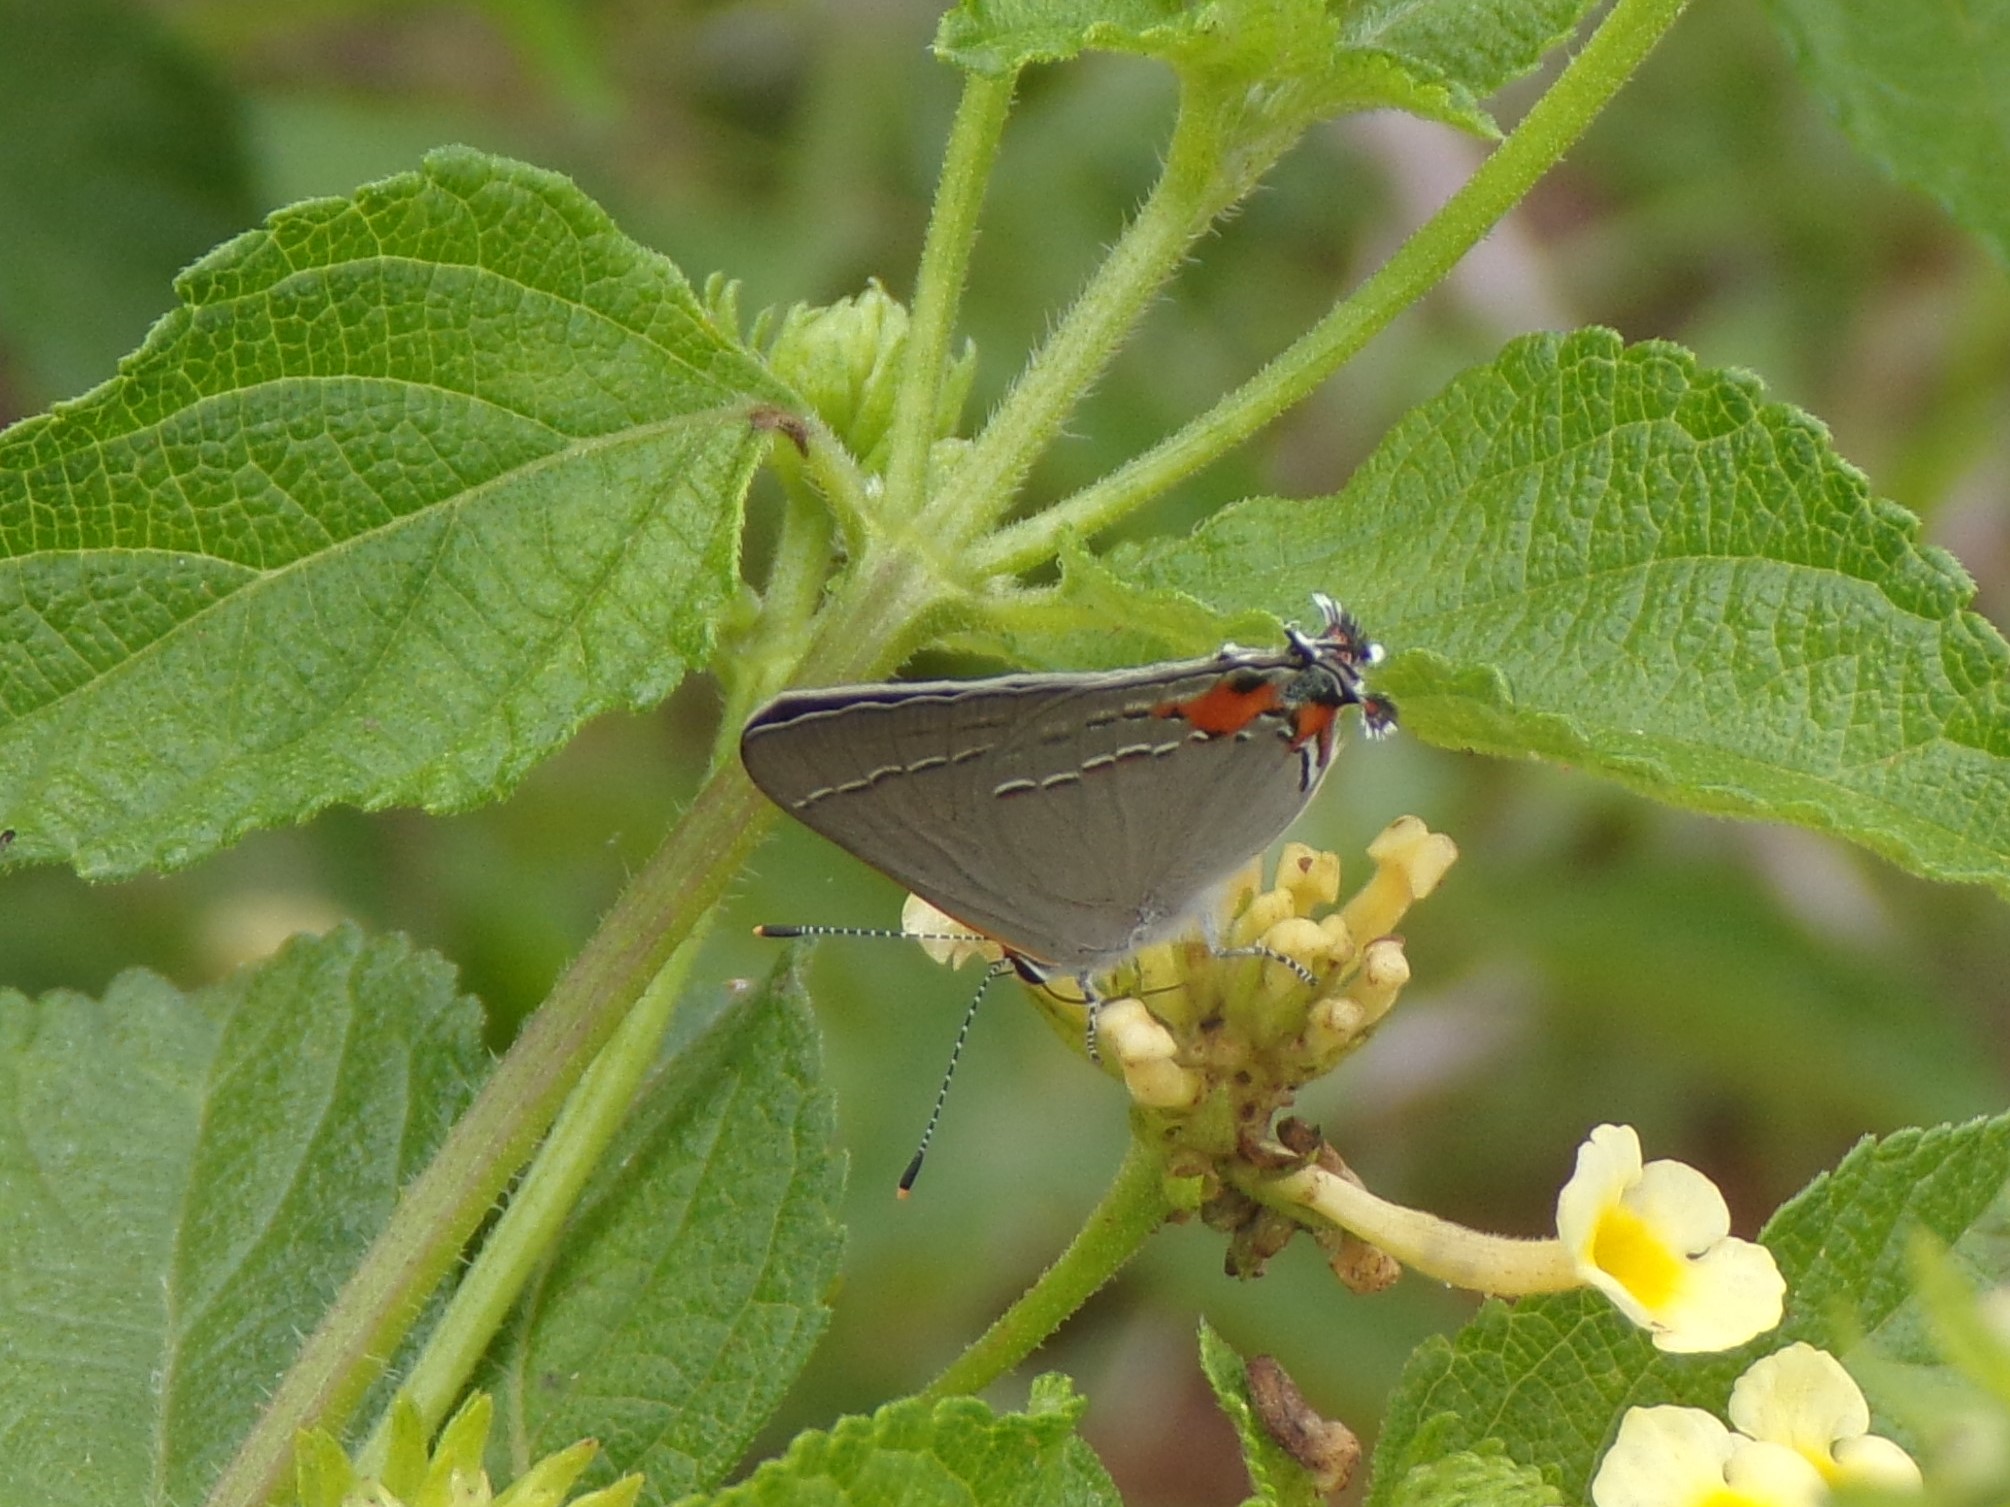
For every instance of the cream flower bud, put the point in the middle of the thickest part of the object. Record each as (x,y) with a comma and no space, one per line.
(1333,1024)
(1312,877)
(1384,971)
(943,938)
(1146,1053)
(1264,911)
(1410,860)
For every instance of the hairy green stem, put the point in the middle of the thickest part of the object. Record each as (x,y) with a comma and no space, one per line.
(868,627)
(1196,185)
(439,1212)
(540,1205)
(1134,1206)
(844,487)
(938,284)
(1555,123)
(825,473)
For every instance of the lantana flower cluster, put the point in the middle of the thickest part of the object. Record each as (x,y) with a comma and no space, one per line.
(1213,1035)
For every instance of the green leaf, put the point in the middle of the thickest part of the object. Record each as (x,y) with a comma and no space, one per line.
(1964,1396)
(1548,1379)
(1545,1381)
(1477,46)
(1469,1479)
(1918,85)
(409,486)
(955,1453)
(1845,1242)
(121,161)
(187,1181)
(1436,58)
(1280,1481)
(1602,555)
(692,1281)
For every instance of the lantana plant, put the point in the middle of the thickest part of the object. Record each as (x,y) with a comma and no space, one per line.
(410,483)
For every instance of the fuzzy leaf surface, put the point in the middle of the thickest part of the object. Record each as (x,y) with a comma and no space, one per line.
(409,485)
(1547,1380)
(1918,85)
(955,1453)
(1606,556)
(693,1280)
(1475,1479)
(185,1182)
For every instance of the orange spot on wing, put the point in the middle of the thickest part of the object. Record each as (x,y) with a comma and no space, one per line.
(1223,707)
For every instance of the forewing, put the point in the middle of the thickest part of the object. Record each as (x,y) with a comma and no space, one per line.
(1066,817)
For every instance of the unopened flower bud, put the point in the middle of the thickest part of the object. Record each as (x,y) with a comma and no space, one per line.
(846,358)
(1312,877)
(944,938)
(1340,944)
(1410,859)
(1263,912)
(1333,1025)
(1384,972)
(1146,1053)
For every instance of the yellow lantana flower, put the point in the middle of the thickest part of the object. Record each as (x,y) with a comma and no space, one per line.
(1802,1428)
(1656,1240)
(1802,1398)
(1683,1457)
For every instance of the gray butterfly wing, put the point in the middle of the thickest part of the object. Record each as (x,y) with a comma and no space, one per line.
(1067,817)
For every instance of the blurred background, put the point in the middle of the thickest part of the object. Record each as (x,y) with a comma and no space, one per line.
(1753,999)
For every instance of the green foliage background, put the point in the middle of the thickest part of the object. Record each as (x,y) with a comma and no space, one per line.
(1592,957)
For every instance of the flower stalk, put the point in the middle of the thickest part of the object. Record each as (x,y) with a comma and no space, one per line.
(1134,1206)
(1499,1265)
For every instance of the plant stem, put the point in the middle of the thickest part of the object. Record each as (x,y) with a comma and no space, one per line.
(1549,129)
(1195,186)
(539,1207)
(868,627)
(441,1209)
(1133,1207)
(938,284)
